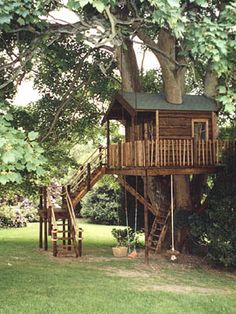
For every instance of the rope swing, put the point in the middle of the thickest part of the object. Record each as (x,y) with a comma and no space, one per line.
(173,253)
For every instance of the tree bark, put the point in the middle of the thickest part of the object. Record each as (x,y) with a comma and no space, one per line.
(127,64)
(172,72)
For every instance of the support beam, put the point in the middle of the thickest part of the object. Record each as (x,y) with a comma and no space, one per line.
(108,143)
(146,219)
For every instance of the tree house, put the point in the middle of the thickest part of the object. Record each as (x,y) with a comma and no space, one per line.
(164,138)
(160,139)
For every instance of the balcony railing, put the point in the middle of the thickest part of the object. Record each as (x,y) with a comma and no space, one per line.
(168,153)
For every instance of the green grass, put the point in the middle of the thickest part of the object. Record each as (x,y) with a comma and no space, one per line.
(32,281)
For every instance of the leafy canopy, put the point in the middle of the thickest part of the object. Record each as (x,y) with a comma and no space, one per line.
(19,151)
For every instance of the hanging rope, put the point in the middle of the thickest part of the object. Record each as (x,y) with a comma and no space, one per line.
(126,216)
(173,252)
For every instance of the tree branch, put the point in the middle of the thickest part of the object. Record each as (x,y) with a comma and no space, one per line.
(67,96)
(154,47)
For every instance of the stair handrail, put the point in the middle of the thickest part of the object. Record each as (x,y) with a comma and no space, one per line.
(73,221)
(94,161)
(98,150)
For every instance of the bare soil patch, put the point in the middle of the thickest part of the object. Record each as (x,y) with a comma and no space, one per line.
(187,289)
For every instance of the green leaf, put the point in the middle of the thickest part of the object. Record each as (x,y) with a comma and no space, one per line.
(99,5)
(173,3)
(33,135)
(222,89)
(9,157)
(21,21)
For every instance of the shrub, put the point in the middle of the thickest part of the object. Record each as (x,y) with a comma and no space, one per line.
(103,204)
(17,216)
(215,228)
(126,237)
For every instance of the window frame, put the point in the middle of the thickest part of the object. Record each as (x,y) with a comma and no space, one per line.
(206,121)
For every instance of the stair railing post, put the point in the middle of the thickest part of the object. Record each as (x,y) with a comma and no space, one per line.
(54,242)
(88,176)
(100,155)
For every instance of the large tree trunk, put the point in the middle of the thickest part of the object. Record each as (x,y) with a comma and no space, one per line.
(127,64)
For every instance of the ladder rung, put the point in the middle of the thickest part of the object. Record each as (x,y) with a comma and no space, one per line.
(65,238)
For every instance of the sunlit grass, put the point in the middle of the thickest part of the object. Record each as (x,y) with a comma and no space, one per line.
(32,281)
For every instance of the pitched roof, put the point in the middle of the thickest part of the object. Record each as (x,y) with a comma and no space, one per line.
(146,101)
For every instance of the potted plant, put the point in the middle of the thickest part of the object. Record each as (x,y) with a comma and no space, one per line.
(125,238)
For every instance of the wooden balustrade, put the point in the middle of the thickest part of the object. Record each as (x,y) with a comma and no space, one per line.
(168,153)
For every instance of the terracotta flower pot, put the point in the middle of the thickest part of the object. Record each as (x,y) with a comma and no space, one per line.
(120,251)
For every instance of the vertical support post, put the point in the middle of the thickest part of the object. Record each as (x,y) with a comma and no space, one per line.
(54,242)
(69,235)
(63,231)
(172,213)
(49,224)
(45,219)
(119,154)
(88,176)
(108,143)
(157,126)
(80,242)
(40,218)
(132,140)
(146,219)
(195,153)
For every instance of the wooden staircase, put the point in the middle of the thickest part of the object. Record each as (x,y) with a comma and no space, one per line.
(66,236)
(87,176)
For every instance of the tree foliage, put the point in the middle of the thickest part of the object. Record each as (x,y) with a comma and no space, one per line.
(215,227)
(103,204)
(19,151)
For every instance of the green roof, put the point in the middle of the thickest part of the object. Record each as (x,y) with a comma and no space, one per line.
(146,101)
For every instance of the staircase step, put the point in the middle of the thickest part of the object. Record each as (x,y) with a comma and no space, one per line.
(64,247)
(61,231)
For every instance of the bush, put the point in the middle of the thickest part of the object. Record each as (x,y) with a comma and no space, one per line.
(17,216)
(103,204)
(126,237)
(215,228)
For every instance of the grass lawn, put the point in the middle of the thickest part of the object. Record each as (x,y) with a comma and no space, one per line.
(32,281)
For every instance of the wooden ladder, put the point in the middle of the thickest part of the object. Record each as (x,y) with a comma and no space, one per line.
(158,232)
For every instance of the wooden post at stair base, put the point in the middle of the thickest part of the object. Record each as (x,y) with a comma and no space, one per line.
(108,143)
(40,218)
(45,219)
(63,232)
(80,242)
(54,242)
(69,235)
(146,219)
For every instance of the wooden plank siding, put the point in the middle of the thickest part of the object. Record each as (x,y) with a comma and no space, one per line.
(178,124)
(169,153)
(169,125)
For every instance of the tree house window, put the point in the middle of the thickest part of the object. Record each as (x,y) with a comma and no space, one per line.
(200,129)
